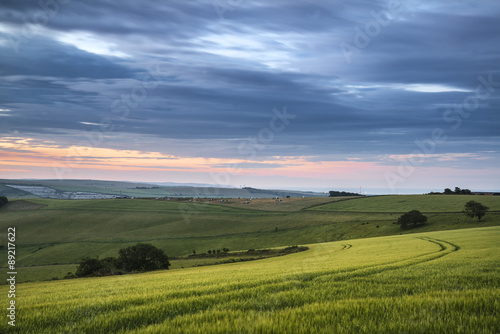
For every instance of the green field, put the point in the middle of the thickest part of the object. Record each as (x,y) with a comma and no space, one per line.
(401,204)
(435,282)
(59,233)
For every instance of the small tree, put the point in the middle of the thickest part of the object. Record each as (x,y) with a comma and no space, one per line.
(3,200)
(412,219)
(475,209)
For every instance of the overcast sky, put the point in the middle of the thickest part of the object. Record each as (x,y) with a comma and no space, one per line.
(298,94)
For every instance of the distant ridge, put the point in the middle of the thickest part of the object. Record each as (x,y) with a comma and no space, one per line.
(87,189)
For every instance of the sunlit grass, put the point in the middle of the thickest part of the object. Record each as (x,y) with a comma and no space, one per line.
(437,282)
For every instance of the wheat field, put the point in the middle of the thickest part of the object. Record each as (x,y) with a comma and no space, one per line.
(436,282)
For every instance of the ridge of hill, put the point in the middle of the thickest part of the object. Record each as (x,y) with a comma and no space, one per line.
(87,189)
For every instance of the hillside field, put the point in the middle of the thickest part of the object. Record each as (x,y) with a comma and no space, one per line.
(434,282)
(401,204)
(53,235)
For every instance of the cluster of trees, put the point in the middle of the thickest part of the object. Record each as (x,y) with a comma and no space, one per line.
(216,251)
(415,218)
(334,193)
(138,258)
(210,252)
(3,201)
(457,191)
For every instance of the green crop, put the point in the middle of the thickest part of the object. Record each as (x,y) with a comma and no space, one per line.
(435,282)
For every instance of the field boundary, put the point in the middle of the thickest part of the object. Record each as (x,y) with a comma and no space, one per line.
(337,201)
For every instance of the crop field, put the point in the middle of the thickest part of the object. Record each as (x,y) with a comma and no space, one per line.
(435,282)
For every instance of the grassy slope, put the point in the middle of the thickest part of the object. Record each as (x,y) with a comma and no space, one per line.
(401,204)
(14,193)
(65,231)
(286,204)
(438,282)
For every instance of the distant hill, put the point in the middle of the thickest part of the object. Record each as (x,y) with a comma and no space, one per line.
(95,189)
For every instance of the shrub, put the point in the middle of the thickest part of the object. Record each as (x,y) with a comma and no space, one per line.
(69,275)
(88,267)
(142,257)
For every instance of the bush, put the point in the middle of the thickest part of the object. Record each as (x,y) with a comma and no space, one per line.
(69,275)
(142,257)
(88,267)
(412,219)
(3,201)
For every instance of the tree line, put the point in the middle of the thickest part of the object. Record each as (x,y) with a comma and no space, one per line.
(334,193)
(457,191)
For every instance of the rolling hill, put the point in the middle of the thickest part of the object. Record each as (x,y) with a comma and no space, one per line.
(56,234)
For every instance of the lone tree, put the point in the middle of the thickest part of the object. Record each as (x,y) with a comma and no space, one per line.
(475,209)
(142,257)
(413,218)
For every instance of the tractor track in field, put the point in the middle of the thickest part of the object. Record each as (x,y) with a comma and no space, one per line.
(339,277)
(446,248)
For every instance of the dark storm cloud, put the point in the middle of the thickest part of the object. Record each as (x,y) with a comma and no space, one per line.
(222,76)
(433,48)
(44,57)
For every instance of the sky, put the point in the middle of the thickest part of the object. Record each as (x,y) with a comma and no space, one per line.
(391,96)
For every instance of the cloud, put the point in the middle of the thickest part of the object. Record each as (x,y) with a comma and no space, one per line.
(186,80)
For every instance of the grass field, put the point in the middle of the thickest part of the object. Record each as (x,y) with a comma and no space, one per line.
(435,282)
(401,204)
(61,232)
(286,204)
